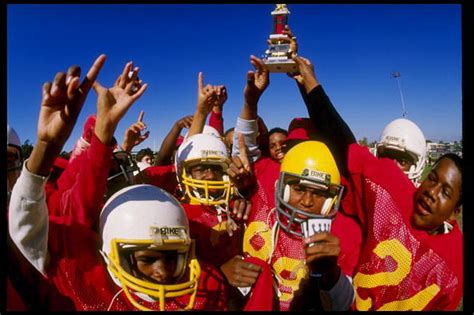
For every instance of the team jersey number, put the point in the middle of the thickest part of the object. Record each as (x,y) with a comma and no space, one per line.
(402,256)
(294,269)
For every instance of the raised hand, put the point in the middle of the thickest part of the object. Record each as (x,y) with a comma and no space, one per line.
(257,81)
(221,98)
(290,39)
(207,96)
(113,103)
(184,122)
(305,75)
(240,170)
(61,104)
(133,136)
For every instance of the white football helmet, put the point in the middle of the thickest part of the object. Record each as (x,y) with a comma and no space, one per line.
(207,130)
(14,141)
(404,135)
(12,137)
(202,149)
(142,217)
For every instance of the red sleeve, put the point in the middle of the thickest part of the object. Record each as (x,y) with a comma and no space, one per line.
(81,194)
(212,289)
(364,169)
(162,176)
(217,121)
(349,233)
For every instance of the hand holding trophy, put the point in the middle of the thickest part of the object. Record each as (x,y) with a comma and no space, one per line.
(282,44)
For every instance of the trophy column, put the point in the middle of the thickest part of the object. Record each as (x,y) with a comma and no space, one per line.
(277,57)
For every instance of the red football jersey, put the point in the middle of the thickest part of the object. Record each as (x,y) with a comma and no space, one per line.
(78,271)
(285,252)
(163,176)
(400,268)
(213,243)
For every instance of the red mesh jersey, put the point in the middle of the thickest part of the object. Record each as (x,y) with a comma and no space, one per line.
(288,258)
(213,243)
(400,268)
(78,271)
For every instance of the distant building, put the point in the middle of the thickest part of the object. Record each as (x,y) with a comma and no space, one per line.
(437,149)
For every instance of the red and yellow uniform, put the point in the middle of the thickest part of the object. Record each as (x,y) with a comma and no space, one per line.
(213,243)
(79,273)
(400,268)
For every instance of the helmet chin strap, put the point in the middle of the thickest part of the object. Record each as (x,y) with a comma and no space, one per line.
(230,223)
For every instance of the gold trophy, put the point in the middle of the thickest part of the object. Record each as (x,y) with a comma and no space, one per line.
(277,57)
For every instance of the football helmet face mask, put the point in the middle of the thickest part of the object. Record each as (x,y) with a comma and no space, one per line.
(204,150)
(145,217)
(121,172)
(404,135)
(310,164)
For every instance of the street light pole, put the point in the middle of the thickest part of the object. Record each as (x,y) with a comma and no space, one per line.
(396,75)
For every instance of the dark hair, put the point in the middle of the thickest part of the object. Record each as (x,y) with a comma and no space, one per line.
(277,130)
(227,131)
(457,160)
(142,153)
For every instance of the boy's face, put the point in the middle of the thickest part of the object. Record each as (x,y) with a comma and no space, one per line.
(147,159)
(437,198)
(155,266)
(208,172)
(306,198)
(277,144)
(404,160)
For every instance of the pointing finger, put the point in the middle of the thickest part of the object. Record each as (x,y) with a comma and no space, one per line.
(92,74)
(243,152)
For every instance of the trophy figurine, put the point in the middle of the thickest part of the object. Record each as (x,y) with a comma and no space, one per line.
(277,57)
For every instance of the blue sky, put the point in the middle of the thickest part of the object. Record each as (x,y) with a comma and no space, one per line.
(354,49)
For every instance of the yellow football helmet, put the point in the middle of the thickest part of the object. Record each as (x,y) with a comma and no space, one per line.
(309,163)
(142,217)
(203,149)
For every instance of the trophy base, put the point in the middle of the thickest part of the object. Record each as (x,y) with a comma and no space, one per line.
(278,36)
(283,65)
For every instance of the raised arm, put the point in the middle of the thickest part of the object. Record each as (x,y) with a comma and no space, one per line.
(81,202)
(207,96)
(61,104)
(247,124)
(169,143)
(133,135)
(331,128)
(216,119)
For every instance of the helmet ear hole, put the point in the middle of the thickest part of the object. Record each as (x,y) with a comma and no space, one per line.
(286,193)
(327,205)
(180,266)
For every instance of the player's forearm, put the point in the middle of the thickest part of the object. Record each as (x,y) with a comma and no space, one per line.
(42,157)
(28,218)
